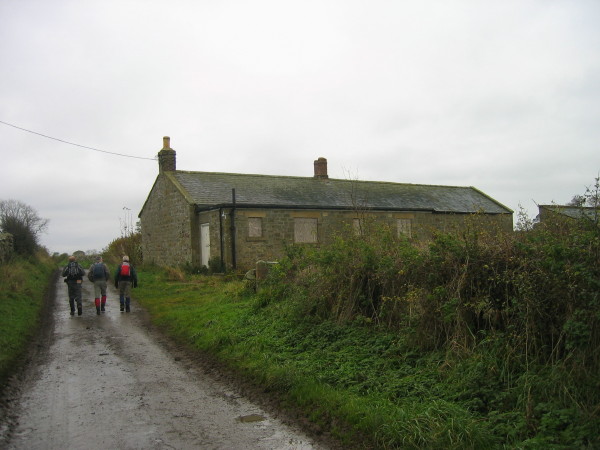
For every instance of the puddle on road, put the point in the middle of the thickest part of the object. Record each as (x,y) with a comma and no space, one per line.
(251,418)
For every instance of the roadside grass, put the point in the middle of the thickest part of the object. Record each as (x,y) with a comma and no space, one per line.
(361,383)
(23,284)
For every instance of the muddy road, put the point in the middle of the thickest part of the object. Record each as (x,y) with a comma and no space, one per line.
(113,382)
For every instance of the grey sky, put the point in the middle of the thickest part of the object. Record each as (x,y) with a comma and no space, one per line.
(503,96)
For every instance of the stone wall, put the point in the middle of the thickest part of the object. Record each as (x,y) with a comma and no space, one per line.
(278,229)
(166,225)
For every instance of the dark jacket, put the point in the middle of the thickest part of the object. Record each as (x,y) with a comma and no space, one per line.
(132,277)
(73,272)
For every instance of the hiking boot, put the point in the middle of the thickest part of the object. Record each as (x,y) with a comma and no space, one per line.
(72,312)
(98,310)
(102,308)
(122,308)
(127,309)
(79,311)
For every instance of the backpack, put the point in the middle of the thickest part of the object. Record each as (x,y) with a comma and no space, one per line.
(98,272)
(125,270)
(73,271)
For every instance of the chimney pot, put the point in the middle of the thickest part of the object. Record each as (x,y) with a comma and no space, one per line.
(166,157)
(321,168)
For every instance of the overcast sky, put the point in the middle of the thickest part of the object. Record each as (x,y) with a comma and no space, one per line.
(500,95)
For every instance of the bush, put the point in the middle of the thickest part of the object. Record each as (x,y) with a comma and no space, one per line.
(518,313)
(128,245)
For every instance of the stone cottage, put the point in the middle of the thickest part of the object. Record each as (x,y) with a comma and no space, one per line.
(237,219)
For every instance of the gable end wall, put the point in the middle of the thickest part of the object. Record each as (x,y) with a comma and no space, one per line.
(166,225)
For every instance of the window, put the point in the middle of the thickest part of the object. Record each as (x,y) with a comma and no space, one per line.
(255,227)
(305,230)
(357,226)
(404,227)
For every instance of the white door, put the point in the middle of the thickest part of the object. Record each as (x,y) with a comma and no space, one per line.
(204,244)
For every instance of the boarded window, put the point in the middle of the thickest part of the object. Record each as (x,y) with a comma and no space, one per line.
(255,227)
(305,230)
(405,227)
(357,225)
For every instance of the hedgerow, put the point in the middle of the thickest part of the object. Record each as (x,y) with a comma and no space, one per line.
(516,315)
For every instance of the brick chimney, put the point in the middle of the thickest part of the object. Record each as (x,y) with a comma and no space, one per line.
(166,157)
(321,168)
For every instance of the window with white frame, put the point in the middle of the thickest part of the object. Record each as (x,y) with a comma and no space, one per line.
(305,230)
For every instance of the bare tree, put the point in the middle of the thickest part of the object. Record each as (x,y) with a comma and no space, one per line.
(592,194)
(577,200)
(591,198)
(24,223)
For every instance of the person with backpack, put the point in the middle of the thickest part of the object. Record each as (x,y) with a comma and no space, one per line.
(125,279)
(99,275)
(73,274)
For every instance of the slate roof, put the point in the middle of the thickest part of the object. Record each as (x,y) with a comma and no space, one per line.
(574,212)
(208,190)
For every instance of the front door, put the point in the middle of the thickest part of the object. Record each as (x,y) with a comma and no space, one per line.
(204,244)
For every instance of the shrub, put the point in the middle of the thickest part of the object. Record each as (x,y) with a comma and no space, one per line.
(128,245)
(518,313)
(174,274)
(215,265)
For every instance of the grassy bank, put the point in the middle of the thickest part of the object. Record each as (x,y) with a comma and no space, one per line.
(477,340)
(23,286)
(346,378)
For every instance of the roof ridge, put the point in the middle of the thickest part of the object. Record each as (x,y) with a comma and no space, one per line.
(193,172)
(569,206)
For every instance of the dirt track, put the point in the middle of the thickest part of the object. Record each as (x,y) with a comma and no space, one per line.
(112,382)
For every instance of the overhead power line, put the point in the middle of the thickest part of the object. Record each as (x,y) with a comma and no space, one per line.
(72,143)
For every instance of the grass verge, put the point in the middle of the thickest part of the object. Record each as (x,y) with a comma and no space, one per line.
(23,287)
(351,380)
